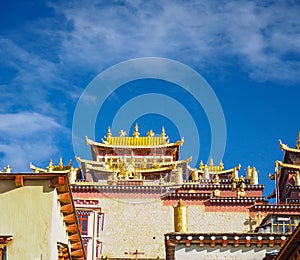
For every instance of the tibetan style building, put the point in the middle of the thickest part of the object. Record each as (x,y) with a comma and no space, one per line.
(137,199)
(270,225)
(38,218)
(133,160)
(137,182)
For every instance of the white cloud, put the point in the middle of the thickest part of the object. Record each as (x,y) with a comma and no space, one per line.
(197,33)
(26,137)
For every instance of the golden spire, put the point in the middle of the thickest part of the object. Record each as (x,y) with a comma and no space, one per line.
(254,176)
(136,131)
(201,166)
(216,179)
(60,164)
(150,133)
(7,169)
(298,141)
(211,162)
(221,166)
(50,166)
(122,133)
(163,133)
(108,135)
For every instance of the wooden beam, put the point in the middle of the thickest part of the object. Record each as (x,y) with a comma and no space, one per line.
(259,241)
(61,180)
(64,197)
(271,241)
(72,228)
(57,181)
(236,241)
(19,181)
(78,252)
(74,237)
(224,241)
(201,243)
(213,241)
(66,208)
(188,243)
(76,245)
(248,241)
(70,218)
(283,240)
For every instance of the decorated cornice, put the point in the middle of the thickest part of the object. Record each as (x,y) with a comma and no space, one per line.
(225,239)
(277,207)
(223,185)
(186,196)
(83,202)
(86,188)
(235,200)
(101,167)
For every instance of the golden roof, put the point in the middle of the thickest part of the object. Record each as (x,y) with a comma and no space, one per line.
(60,168)
(287,148)
(135,140)
(215,168)
(287,165)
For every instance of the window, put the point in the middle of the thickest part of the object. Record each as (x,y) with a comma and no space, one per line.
(3,246)
(100,224)
(3,253)
(282,224)
(98,249)
(83,223)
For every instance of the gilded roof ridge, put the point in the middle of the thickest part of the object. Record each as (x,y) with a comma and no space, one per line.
(139,144)
(285,147)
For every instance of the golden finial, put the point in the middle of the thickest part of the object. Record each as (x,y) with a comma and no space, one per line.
(195,175)
(201,166)
(7,169)
(150,133)
(235,174)
(248,172)
(221,166)
(60,164)
(108,135)
(50,166)
(298,141)
(216,179)
(254,176)
(136,131)
(122,133)
(211,162)
(163,133)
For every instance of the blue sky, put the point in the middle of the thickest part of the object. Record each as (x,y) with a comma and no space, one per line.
(248,52)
